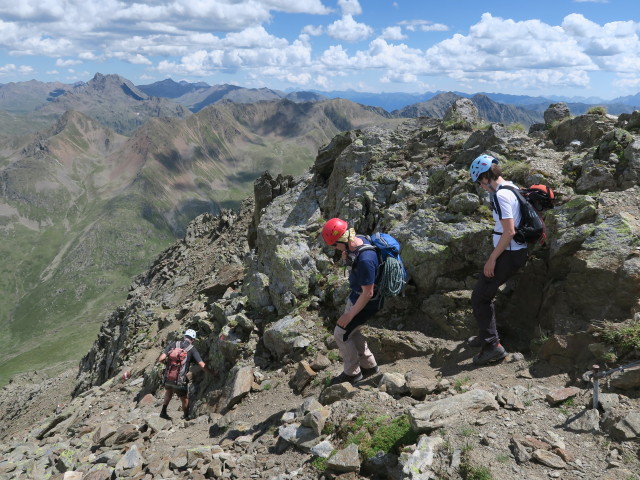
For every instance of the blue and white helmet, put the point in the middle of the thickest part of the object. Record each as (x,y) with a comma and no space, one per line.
(481,165)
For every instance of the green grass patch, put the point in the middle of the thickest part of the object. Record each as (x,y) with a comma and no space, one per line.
(461,382)
(517,172)
(472,472)
(378,434)
(623,337)
(597,110)
(516,127)
(319,463)
(333,355)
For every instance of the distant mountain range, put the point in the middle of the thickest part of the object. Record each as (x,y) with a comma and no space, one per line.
(31,106)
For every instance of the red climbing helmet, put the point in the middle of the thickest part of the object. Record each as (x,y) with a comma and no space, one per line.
(333,230)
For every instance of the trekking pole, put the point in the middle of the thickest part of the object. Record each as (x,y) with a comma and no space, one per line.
(596,386)
(596,375)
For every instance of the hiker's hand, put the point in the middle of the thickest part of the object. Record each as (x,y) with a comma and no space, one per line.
(344,320)
(489,268)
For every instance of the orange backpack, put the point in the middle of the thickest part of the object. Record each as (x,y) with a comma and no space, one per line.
(176,370)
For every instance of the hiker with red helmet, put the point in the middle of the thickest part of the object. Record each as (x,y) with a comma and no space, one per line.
(506,258)
(358,361)
(177,357)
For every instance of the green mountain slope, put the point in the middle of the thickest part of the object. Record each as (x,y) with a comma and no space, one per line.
(83,209)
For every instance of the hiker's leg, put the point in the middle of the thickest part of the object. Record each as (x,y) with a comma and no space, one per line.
(168,393)
(348,351)
(365,357)
(486,289)
(185,404)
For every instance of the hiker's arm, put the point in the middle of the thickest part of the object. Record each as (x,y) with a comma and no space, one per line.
(162,357)
(509,232)
(363,299)
(204,367)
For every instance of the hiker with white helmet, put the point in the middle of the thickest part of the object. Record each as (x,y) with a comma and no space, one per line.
(177,357)
(358,360)
(506,258)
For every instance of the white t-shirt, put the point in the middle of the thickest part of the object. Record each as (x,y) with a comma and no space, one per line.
(505,205)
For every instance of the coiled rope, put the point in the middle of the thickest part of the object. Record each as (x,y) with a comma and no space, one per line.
(392,279)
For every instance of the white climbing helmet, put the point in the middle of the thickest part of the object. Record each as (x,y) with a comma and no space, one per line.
(190,333)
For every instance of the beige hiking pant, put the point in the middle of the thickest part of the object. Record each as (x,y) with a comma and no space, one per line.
(355,351)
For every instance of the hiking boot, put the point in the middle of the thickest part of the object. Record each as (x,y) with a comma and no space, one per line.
(344,378)
(475,341)
(367,372)
(491,353)
(163,414)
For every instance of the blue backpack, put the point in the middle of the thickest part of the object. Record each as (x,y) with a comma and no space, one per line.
(391,274)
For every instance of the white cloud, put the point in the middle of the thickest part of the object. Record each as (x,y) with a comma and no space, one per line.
(89,56)
(322,81)
(423,26)
(379,55)
(66,63)
(8,68)
(252,49)
(314,7)
(495,44)
(613,47)
(350,7)
(49,27)
(393,77)
(348,30)
(628,82)
(312,30)
(393,33)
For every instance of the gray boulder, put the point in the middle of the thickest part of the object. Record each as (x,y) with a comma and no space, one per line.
(586,129)
(429,416)
(287,335)
(556,112)
(462,115)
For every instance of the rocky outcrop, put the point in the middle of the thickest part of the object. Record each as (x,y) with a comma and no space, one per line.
(462,115)
(264,312)
(556,112)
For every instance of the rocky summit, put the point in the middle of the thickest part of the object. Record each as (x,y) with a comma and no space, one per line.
(263,294)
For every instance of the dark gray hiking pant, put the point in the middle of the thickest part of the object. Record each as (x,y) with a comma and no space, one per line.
(485,290)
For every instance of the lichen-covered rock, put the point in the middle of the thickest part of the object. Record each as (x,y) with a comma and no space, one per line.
(630,165)
(284,246)
(586,129)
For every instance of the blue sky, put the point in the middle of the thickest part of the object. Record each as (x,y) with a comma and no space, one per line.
(561,47)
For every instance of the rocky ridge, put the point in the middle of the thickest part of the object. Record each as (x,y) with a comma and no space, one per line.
(263,293)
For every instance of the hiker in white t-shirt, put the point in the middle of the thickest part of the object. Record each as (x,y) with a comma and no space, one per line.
(506,258)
